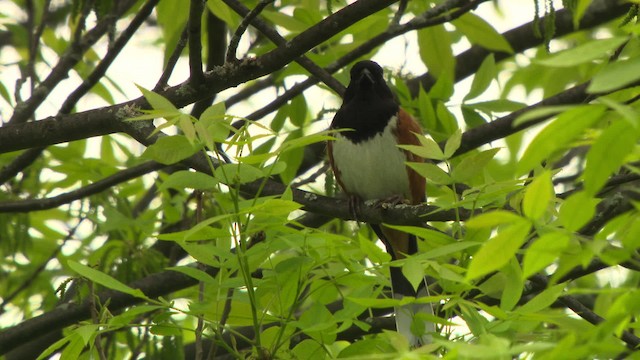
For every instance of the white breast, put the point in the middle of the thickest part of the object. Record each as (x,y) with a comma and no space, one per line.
(374,168)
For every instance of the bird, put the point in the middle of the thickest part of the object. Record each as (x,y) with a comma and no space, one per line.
(368,165)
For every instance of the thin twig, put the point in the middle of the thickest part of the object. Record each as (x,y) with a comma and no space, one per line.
(163,81)
(95,318)
(277,39)
(96,187)
(402,7)
(246,21)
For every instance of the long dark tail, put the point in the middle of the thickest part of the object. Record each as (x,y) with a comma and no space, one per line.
(417,331)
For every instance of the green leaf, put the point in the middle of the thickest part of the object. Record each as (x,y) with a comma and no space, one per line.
(215,112)
(298,111)
(367,346)
(498,251)
(194,273)
(446,119)
(189,179)
(497,106)
(435,50)
(480,32)
(428,149)
(157,101)
(539,113)
(627,112)
(493,219)
(558,134)
(543,251)
(537,196)
(105,280)
(55,347)
(170,149)
(542,300)
(453,143)
(431,172)
(513,286)
(426,112)
(577,210)
(472,165)
(587,52)
(483,77)
(615,75)
(237,173)
(607,154)
(413,271)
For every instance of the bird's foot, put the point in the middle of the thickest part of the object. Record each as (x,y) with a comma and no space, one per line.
(391,201)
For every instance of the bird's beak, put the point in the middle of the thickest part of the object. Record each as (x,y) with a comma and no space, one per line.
(366,76)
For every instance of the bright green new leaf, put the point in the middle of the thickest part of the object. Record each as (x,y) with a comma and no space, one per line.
(542,300)
(428,148)
(493,219)
(577,210)
(627,112)
(446,119)
(185,124)
(587,52)
(105,280)
(483,77)
(538,196)
(157,101)
(426,112)
(170,149)
(194,273)
(413,271)
(539,113)
(237,173)
(453,143)
(497,106)
(214,112)
(498,251)
(472,165)
(435,50)
(615,76)
(607,154)
(189,179)
(543,251)
(558,134)
(431,172)
(480,32)
(513,285)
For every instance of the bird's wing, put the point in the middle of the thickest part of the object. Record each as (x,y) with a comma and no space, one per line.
(407,128)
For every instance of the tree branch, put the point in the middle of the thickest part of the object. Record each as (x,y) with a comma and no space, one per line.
(98,186)
(248,18)
(195,42)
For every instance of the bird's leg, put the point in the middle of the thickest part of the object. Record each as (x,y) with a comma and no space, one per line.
(354,206)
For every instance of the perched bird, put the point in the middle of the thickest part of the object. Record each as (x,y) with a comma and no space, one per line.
(368,164)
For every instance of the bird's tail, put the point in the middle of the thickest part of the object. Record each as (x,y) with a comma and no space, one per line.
(415,328)
(418,330)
